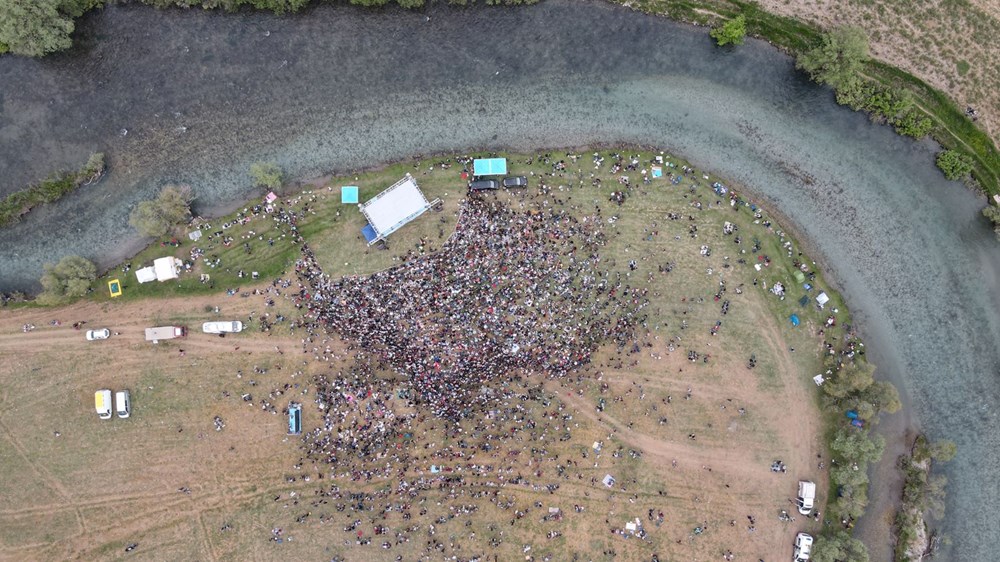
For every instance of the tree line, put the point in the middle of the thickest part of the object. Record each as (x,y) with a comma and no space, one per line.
(838,60)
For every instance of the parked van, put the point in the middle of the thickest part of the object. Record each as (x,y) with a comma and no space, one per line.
(123,403)
(807,497)
(102,403)
(803,547)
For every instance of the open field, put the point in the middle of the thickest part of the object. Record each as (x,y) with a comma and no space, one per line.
(79,487)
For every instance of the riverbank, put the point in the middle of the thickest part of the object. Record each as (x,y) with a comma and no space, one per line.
(952,127)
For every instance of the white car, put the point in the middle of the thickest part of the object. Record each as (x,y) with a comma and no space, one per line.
(101,334)
(803,547)
(222,327)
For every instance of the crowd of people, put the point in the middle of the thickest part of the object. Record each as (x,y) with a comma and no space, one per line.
(510,291)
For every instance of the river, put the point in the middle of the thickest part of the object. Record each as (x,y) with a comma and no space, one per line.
(194,96)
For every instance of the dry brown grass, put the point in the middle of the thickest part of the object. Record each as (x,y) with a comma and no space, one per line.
(933,40)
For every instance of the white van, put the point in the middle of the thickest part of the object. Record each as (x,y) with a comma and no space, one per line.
(807,497)
(102,403)
(123,403)
(803,547)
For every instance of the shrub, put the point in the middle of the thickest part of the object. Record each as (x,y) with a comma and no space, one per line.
(954,164)
(268,174)
(732,32)
(35,27)
(156,217)
(838,59)
(992,212)
(68,279)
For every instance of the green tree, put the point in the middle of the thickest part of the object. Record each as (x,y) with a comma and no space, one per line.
(731,33)
(155,218)
(850,378)
(35,27)
(266,174)
(838,59)
(839,547)
(857,446)
(955,165)
(883,396)
(70,278)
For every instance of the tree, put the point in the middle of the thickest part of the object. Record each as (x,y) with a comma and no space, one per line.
(850,378)
(857,446)
(838,59)
(171,207)
(839,547)
(731,33)
(883,396)
(35,27)
(266,174)
(69,278)
(954,164)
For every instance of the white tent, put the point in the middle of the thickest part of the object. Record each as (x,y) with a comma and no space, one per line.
(146,274)
(822,299)
(394,207)
(167,268)
(163,269)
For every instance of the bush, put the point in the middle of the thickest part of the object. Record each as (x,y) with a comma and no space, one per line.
(268,174)
(838,59)
(732,32)
(954,164)
(992,212)
(68,279)
(156,217)
(56,186)
(35,27)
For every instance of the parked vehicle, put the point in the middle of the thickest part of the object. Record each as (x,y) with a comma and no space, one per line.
(101,334)
(807,497)
(165,333)
(123,403)
(222,327)
(515,181)
(803,547)
(483,185)
(294,418)
(102,403)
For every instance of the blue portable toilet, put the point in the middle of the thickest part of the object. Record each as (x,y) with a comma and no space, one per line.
(795,319)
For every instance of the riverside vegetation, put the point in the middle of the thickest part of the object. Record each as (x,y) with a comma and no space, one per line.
(923,492)
(19,203)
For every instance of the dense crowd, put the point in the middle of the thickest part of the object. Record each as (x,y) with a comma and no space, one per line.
(509,292)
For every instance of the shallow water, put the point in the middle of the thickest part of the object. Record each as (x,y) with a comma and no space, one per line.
(335,88)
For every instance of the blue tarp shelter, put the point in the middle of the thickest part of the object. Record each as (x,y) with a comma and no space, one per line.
(489,167)
(794,319)
(369,233)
